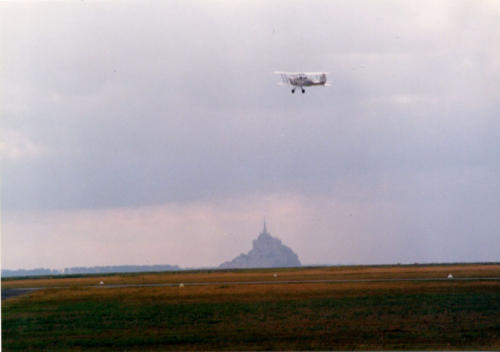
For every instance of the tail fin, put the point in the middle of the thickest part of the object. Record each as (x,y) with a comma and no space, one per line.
(322,78)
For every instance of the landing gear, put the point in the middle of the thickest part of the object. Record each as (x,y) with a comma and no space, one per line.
(293,90)
(303,90)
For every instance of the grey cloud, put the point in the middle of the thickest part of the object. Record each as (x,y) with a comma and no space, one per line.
(145,104)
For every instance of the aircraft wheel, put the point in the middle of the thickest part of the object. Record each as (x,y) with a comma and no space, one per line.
(293,91)
(303,91)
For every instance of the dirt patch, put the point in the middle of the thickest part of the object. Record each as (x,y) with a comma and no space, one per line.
(14,292)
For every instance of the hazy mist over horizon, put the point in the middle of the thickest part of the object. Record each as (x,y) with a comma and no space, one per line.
(142,133)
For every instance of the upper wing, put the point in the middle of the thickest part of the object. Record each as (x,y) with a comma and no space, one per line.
(286,73)
(315,73)
(300,73)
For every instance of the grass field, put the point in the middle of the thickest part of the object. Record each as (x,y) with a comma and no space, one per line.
(403,315)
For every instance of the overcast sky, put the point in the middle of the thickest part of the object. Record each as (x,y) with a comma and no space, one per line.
(154,132)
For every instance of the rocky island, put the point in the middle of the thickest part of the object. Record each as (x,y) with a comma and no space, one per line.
(267,252)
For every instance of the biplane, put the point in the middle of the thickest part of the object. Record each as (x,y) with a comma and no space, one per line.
(302,79)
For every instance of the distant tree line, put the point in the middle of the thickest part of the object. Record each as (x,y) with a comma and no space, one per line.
(30,272)
(89,270)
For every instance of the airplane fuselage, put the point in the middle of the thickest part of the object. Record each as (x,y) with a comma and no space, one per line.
(304,82)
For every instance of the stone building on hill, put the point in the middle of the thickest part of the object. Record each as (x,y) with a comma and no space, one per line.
(267,252)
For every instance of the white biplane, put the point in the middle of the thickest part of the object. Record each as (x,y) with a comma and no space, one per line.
(302,79)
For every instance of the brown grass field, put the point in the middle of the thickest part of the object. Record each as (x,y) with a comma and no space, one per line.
(324,273)
(403,315)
